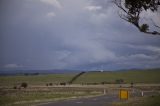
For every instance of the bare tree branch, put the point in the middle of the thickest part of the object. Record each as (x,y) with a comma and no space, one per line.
(132,13)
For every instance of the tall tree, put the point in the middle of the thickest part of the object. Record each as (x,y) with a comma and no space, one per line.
(131,10)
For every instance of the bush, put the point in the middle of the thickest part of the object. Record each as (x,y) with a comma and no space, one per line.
(47,84)
(63,83)
(15,87)
(50,84)
(119,81)
(104,82)
(132,84)
(24,85)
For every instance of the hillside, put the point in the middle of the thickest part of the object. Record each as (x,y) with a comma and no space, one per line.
(35,79)
(91,77)
(135,76)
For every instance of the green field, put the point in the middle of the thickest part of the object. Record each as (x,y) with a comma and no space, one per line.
(38,91)
(136,76)
(34,79)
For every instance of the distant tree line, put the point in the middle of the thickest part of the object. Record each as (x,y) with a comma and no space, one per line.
(28,74)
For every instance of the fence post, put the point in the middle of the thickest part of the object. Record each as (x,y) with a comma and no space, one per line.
(104,91)
(142,93)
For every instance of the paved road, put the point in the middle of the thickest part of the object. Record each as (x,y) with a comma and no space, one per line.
(104,100)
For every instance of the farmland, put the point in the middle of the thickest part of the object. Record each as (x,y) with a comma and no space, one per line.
(34,79)
(143,76)
(135,76)
(47,87)
(16,97)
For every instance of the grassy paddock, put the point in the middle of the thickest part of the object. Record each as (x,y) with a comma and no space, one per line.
(136,76)
(140,101)
(35,80)
(38,91)
(11,97)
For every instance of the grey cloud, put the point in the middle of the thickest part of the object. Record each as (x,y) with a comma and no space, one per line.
(39,35)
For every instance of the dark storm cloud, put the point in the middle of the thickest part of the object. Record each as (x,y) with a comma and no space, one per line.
(71,34)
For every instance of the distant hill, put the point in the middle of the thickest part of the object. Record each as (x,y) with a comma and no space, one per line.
(33,72)
(90,77)
(128,76)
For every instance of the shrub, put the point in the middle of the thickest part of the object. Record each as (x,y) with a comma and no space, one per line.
(63,83)
(119,81)
(132,84)
(24,85)
(104,82)
(50,84)
(15,87)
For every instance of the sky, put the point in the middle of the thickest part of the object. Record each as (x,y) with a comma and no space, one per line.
(73,34)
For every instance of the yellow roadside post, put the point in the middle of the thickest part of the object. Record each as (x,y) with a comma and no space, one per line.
(123,94)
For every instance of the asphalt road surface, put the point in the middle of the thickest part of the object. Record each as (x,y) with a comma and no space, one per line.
(104,100)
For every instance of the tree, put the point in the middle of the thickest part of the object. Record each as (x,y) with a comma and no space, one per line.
(131,10)
(132,84)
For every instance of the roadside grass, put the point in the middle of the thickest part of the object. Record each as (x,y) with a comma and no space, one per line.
(135,76)
(140,101)
(27,98)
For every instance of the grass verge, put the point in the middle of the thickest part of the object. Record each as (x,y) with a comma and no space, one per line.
(140,101)
(29,98)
